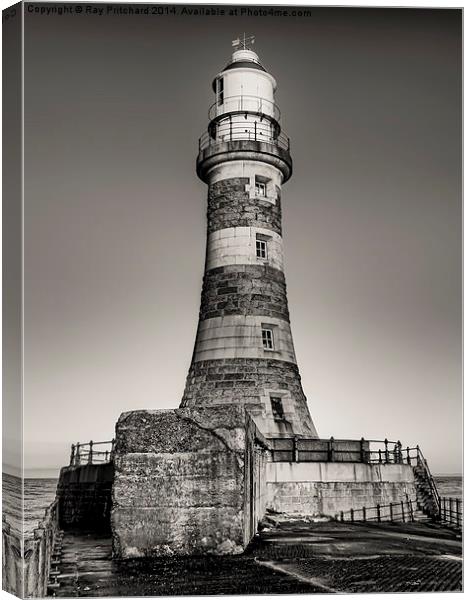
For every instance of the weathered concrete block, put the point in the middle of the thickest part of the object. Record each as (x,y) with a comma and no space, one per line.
(166,531)
(179,482)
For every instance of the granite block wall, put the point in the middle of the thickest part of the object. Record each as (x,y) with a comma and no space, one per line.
(244,290)
(229,205)
(248,382)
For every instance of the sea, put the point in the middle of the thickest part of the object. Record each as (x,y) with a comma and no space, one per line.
(40,493)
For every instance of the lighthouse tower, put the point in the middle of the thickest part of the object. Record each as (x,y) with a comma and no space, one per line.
(244,350)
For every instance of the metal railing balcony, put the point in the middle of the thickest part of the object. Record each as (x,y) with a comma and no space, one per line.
(244,103)
(249,130)
(87,454)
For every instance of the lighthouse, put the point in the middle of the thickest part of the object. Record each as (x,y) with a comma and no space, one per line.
(244,353)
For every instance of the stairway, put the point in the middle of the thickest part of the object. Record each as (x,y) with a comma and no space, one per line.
(426,501)
(420,516)
(54,571)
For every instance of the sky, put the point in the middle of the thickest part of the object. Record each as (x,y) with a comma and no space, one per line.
(115,218)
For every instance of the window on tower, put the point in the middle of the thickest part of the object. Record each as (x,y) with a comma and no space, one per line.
(267,339)
(260,188)
(277,408)
(261,249)
(220,91)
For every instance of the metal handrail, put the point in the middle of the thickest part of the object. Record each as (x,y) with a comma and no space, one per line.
(402,511)
(339,450)
(447,514)
(244,102)
(248,131)
(423,462)
(84,453)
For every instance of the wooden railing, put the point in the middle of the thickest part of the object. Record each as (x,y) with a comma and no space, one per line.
(394,512)
(451,511)
(87,454)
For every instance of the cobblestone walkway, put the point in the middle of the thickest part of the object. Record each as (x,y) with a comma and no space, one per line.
(365,558)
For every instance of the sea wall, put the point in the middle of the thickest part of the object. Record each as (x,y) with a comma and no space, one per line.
(84,493)
(179,482)
(28,577)
(12,564)
(323,488)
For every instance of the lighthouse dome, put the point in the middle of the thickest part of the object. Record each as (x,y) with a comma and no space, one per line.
(244,59)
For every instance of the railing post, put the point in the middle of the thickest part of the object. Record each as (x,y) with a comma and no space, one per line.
(364,514)
(399,452)
(330,450)
(411,512)
(403,511)
(362,450)
(458,516)
(386,451)
(255,131)
(351,514)
(408,455)
(451,511)
(390,512)
(295,450)
(378,512)
(342,516)
(72,454)
(444,509)
(439,509)
(113,444)
(379,455)
(418,454)
(77,455)
(90,455)
(106,456)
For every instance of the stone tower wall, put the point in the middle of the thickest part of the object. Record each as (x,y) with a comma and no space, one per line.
(241,294)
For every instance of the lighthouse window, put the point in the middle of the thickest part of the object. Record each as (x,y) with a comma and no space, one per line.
(261,249)
(277,408)
(268,339)
(220,90)
(261,188)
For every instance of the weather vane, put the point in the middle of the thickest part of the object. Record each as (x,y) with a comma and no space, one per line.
(243,44)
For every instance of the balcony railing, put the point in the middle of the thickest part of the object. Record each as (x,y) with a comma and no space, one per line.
(339,450)
(88,454)
(248,130)
(244,103)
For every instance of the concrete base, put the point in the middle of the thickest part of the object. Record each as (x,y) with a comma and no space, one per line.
(179,482)
(315,489)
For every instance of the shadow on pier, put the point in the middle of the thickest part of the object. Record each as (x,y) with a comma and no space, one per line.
(290,557)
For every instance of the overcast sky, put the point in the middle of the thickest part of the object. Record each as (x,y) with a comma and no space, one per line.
(115,218)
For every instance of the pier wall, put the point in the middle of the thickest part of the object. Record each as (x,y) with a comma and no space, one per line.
(179,482)
(12,563)
(324,488)
(27,576)
(84,494)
